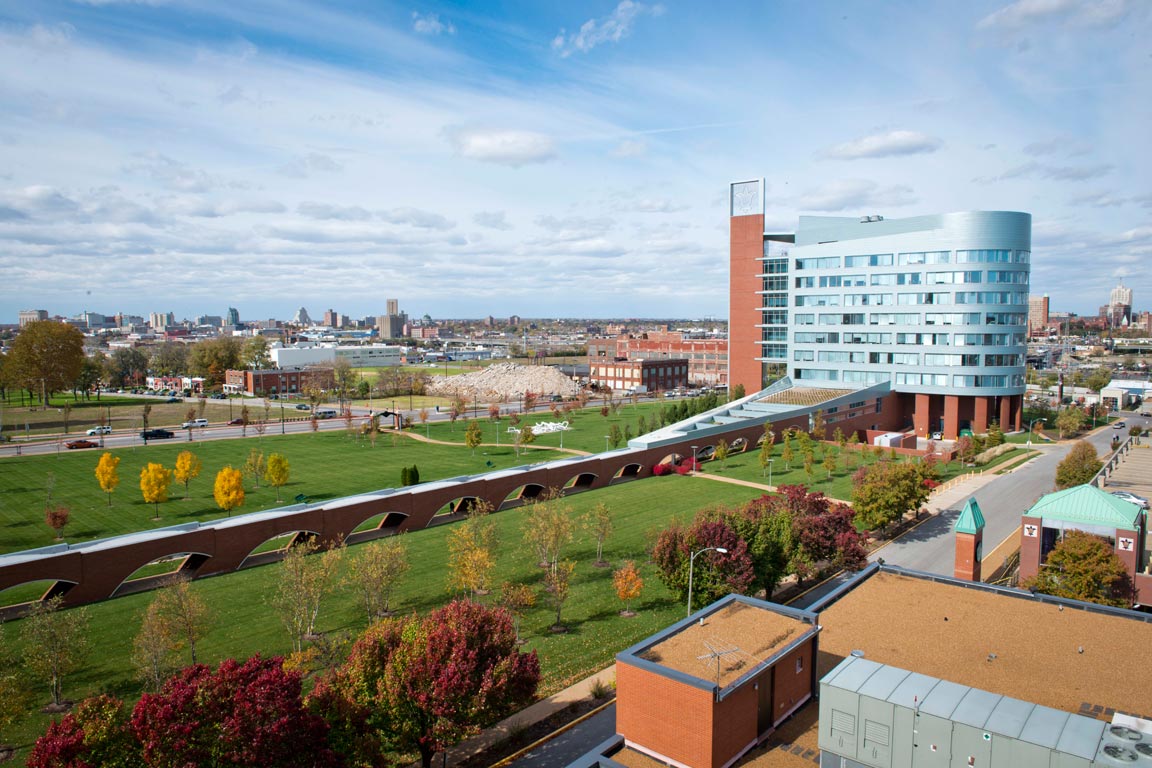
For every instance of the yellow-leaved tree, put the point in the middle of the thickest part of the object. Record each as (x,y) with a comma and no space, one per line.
(106,474)
(276,472)
(229,489)
(154,482)
(187,469)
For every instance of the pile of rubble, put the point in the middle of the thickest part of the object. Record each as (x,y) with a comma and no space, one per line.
(503,382)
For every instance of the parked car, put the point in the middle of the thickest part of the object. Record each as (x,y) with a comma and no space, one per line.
(236,422)
(303,407)
(1146,413)
(194,423)
(156,434)
(79,444)
(219,396)
(105,430)
(1132,498)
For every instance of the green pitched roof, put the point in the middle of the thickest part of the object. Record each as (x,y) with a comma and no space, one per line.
(1086,504)
(971,519)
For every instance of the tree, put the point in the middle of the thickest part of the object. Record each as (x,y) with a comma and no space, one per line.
(615,435)
(307,576)
(254,465)
(426,684)
(995,435)
(822,532)
(628,584)
(737,392)
(276,472)
(1070,421)
(598,522)
(154,482)
(713,574)
(46,357)
(228,489)
(255,355)
(767,448)
(154,648)
(473,437)
(1079,466)
(765,525)
(720,452)
(883,492)
(214,357)
(169,359)
(829,462)
(15,698)
(548,529)
(524,437)
(248,713)
(55,642)
(188,468)
(819,428)
(809,464)
(95,733)
(1099,378)
(375,571)
(557,588)
(1084,567)
(126,367)
(56,517)
(183,612)
(787,454)
(470,560)
(517,599)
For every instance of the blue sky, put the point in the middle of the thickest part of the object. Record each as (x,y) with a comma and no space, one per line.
(544,159)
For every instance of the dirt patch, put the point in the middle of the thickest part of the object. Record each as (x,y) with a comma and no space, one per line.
(504,381)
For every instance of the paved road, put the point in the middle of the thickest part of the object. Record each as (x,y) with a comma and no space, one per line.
(565,748)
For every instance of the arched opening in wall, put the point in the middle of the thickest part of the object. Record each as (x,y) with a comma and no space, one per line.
(457,509)
(377,527)
(525,494)
(739,445)
(760,440)
(273,549)
(626,473)
(705,452)
(581,482)
(17,599)
(672,459)
(160,571)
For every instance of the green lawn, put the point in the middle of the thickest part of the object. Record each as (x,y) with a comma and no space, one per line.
(324,465)
(244,623)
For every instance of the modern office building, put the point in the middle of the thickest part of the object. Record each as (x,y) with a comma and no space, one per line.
(27,316)
(934,307)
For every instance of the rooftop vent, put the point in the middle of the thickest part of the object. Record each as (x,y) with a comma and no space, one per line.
(870,219)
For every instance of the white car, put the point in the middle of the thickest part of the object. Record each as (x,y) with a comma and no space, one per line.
(1131,498)
(194,423)
(100,431)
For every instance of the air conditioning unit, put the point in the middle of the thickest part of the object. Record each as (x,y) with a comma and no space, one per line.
(1126,742)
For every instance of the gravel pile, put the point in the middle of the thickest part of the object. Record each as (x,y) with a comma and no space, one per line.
(504,381)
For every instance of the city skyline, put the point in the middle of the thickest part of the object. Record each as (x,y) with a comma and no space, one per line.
(567,161)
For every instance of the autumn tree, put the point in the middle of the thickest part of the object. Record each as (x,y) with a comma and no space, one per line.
(628,584)
(1079,466)
(1070,421)
(823,533)
(243,713)
(307,576)
(558,588)
(375,571)
(188,468)
(426,684)
(548,528)
(767,448)
(56,517)
(228,489)
(95,733)
(517,599)
(254,465)
(819,428)
(787,454)
(276,472)
(55,642)
(46,357)
(154,648)
(15,698)
(883,492)
(714,574)
(829,462)
(598,523)
(473,437)
(1084,567)
(183,612)
(154,482)
(720,452)
(470,561)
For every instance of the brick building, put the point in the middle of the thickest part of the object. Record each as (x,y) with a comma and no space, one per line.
(707,358)
(639,375)
(266,382)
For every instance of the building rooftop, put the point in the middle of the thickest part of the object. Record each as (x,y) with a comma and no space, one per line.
(1086,505)
(805,396)
(971,519)
(1049,652)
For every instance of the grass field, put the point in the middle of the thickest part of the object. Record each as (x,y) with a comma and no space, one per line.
(324,465)
(243,621)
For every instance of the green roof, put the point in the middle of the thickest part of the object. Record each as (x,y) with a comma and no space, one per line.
(971,519)
(1089,505)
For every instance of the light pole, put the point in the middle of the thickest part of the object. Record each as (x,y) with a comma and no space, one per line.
(1030,424)
(694,465)
(770,470)
(606,438)
(691,563)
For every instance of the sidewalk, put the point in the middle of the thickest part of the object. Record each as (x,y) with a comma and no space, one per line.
(531,715)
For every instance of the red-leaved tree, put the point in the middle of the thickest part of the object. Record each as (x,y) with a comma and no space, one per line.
(426,684)
(713,574)
(823,532)
(95,734)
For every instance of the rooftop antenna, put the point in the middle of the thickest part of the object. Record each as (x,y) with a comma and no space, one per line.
(716,651)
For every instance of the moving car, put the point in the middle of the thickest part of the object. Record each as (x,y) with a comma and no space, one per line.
(105,430)
(303,407)
(194,423)
(156,434)
(1132,498)
(79,444)
(235,422)
(1119,425)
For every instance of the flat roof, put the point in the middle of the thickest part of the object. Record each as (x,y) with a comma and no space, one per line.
(735,638)
(1048,653)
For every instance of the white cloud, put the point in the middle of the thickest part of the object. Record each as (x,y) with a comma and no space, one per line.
(503,147)
(889,144)
(414,217)
(310,164)
(1035,170)
(492,220)
(339,212)
(609,29)
(854,193)
(1026,13)
(430,24)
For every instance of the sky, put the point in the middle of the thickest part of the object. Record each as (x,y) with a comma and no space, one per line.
(545,159)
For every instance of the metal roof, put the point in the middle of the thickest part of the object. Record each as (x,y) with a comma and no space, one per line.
(1088,505)
(971,519)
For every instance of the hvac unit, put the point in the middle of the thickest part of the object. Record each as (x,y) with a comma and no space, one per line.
(1121,745)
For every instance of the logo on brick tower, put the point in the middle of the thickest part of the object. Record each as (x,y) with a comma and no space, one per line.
(746,198)
(1030,531)
(1126,545)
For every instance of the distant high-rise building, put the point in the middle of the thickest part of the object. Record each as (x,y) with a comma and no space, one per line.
(331,318)
(214,321)
(393,306)
(391,326)
(232,316)
(31,316)
(1121,294)
(1118,313)
(1037,314)
(161,320)
(301,317)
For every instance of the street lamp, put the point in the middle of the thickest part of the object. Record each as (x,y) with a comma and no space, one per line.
(606,439)
(691,562)
(770,470)
(1030,428)
(694,465)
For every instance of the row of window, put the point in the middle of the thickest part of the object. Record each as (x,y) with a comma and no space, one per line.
(856,377)
(904,299)
(779,282)
(919,339)
(918,379)
(899,318)
(977,256)
(904,358)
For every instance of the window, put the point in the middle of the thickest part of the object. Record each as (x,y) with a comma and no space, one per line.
(776,317)
(776,266)
(776,283)
(871,260)
(818,300)
(867,299)
(842,319)
(866,377)
(816,374)
(799,664)
(825,262)
(821,337)
(804,319)
(927,257)
(806,282)
(804,355)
